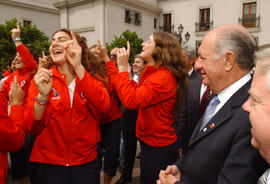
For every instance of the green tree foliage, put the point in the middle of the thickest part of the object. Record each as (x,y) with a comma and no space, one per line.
(29,35)
(121,41)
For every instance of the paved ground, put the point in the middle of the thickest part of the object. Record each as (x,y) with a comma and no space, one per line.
(136,171)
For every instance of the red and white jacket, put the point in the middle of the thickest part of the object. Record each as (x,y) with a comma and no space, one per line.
(67,135)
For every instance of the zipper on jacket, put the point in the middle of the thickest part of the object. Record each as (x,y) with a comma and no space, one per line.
(69,132)
(68,148)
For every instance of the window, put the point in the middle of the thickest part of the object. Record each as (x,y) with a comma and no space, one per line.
(204,24)
(137,19)
(155,23)
(167,22)
(127,16)
(133,17)
(249,14)
(27,23)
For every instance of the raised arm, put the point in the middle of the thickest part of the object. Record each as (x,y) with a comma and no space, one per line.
(26,57)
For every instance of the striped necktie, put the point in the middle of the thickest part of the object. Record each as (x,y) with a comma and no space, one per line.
(210,110)
(205,100)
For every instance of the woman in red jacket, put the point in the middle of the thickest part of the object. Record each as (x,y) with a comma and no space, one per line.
(63,109)
(111,125)
(24,64)
(157,96)
(11,127)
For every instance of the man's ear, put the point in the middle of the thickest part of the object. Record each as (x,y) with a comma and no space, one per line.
(230,60)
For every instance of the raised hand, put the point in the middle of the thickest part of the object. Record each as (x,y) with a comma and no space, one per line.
(103,53)
(16,32)
(122,58)
(16,94)
(74,51)
(43,62)
(43,80)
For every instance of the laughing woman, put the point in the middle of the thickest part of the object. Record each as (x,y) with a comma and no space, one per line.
(157,96)
(62,110)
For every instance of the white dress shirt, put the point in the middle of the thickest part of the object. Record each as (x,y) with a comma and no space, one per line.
(226,94)
(71,89)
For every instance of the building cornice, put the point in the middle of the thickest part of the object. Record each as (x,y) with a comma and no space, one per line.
(140,5)
(29,6)
(162,0)
(133,3)
(70,3)
(84,29)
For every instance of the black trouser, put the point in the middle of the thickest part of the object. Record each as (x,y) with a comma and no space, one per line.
(19,165)
(32,166)
(82,174)
(153,159)
(110,142)
(129,153)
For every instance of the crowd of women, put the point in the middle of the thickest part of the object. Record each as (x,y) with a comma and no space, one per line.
(69,104)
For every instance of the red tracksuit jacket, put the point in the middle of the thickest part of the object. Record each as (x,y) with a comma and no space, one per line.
(67,135)
(154,97)
(25,75)
(11,133)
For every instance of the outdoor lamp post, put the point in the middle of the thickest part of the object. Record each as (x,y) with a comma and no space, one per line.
(179,35)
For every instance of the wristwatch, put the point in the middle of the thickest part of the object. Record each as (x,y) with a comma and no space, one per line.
(17,39)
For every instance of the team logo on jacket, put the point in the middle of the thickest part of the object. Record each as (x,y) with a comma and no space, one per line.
(55,94)
(83,97)
(22,83)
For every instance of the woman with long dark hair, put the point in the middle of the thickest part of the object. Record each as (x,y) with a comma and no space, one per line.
(63,109)
(157,96)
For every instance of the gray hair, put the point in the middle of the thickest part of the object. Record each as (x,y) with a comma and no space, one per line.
(190,51)
(139,57)
(238,41)
(262,61)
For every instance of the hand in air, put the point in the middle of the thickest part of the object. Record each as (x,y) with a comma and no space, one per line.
(43,78)
(74,51)
(103,53)
(16,32)
(122,58)
(16,94)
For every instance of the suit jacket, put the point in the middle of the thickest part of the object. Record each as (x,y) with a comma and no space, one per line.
(194,75)
(189,114)
(223,153)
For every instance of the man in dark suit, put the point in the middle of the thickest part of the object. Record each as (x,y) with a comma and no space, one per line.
(128,132)
(189,54)
(188,114)
(219,150)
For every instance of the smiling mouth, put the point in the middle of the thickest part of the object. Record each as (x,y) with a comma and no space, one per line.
(57,52)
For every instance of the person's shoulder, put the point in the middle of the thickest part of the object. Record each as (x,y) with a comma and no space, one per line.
(195,75)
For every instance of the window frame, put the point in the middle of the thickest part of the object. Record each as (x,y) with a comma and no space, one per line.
(249,23)
(206,25)
(167,22)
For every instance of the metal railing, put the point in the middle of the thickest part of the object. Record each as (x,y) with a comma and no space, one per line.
(249,24)
(168,29)
(205,26)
